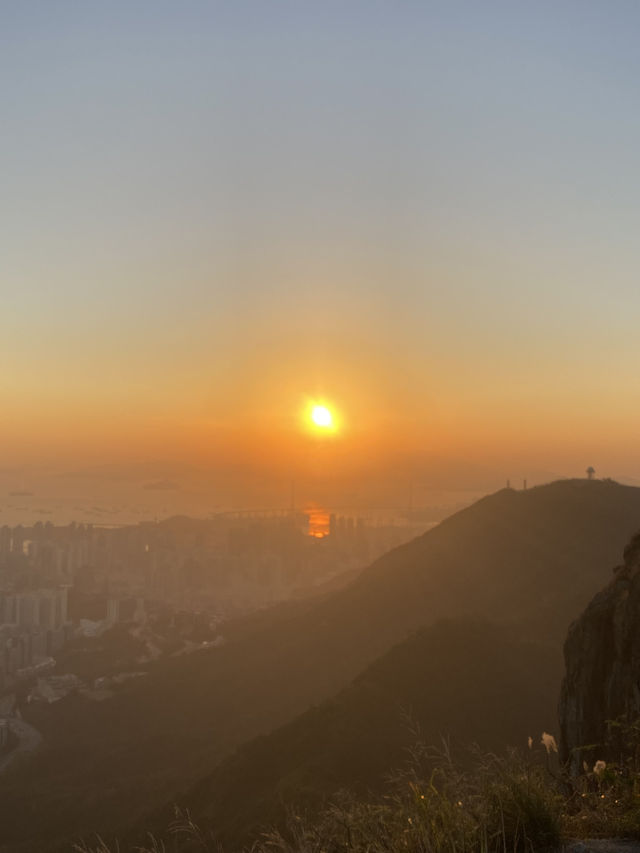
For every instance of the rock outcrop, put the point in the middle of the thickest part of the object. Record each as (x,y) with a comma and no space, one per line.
(602,660)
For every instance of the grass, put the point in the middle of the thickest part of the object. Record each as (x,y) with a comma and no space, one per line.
(518,803)
(501,805)
(604,801)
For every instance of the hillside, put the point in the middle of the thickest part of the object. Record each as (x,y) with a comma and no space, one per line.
(468,682)
(532,557)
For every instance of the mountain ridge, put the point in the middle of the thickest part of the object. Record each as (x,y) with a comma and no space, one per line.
(535,557)
(354,739)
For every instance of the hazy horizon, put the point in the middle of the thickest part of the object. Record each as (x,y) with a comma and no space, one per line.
(129,494)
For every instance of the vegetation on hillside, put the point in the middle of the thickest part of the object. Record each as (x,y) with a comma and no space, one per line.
(533,557)
(468,680)
(519,803)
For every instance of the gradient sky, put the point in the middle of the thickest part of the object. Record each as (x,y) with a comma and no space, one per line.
(426,213)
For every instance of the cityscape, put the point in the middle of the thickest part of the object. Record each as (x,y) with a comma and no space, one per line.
(58,582)
(319,459)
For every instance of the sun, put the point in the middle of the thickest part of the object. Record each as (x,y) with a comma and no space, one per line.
(322,417)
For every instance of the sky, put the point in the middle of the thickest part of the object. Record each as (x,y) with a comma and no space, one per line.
(424,214)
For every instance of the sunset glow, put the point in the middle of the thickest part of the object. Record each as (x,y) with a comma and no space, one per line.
(183,305)
(321,416)
(320,357)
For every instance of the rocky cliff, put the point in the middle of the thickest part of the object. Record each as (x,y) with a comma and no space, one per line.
(602,660)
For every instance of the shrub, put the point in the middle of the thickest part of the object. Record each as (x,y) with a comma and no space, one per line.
(501,805)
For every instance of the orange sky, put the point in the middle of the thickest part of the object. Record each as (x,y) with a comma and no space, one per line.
(210,224)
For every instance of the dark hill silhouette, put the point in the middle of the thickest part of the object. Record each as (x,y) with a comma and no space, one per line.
(535,558)
(467,681)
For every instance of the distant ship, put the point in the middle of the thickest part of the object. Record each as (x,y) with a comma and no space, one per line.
(21,493)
